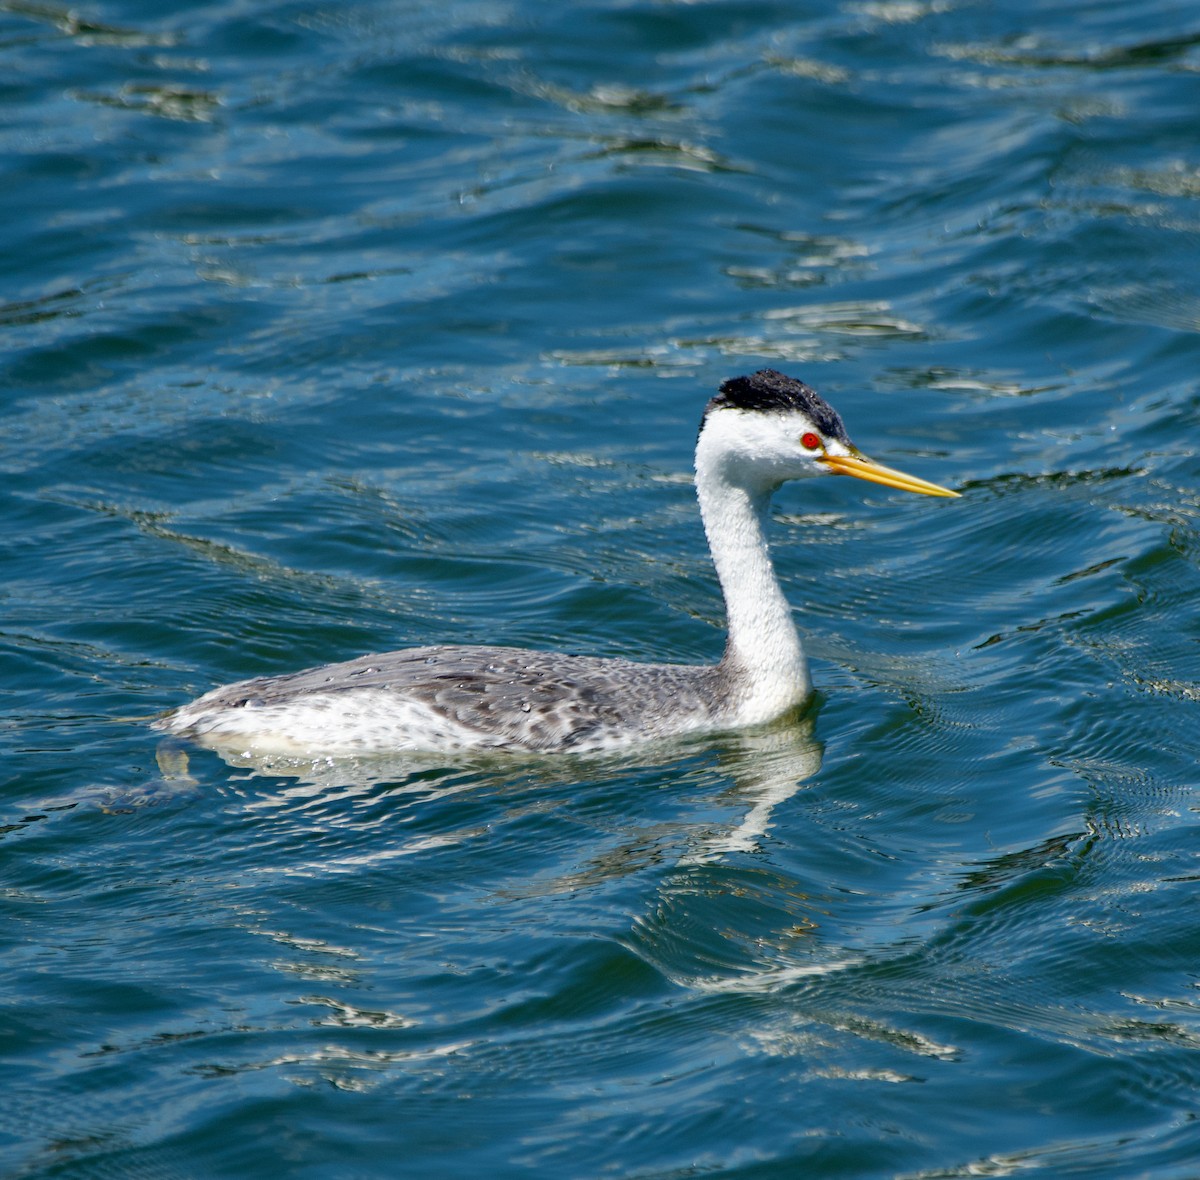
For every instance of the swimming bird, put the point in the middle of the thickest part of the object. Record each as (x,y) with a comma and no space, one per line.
(756,433)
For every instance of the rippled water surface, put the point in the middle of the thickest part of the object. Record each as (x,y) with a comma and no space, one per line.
(331,328)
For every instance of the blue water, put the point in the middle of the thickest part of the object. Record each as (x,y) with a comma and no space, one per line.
(338,328)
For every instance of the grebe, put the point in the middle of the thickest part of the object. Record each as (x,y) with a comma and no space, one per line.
(756,433)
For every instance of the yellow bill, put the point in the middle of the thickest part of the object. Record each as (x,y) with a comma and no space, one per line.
(861,467)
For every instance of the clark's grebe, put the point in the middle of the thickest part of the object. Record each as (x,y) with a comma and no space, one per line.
(756,433)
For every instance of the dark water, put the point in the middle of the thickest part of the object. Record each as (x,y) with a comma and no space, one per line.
(337,328)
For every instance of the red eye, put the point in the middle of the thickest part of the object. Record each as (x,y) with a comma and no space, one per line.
(810,442)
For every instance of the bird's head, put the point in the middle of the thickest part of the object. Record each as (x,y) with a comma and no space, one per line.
(764,429)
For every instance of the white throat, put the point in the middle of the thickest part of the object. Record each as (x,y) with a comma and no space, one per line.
(763,656)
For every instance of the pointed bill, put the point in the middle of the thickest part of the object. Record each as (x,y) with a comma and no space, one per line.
(861,467)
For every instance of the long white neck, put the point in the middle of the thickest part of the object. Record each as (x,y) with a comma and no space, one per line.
(763,656)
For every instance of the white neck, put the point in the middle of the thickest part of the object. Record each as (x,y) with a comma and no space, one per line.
(763,656)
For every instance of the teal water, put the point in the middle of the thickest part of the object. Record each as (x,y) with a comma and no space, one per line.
(330,329)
